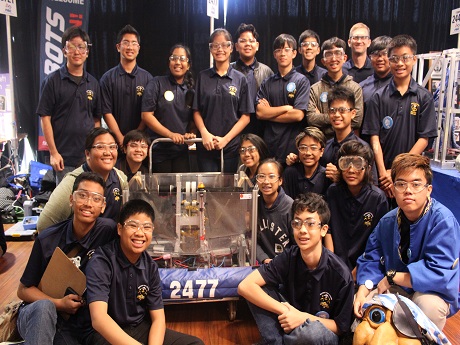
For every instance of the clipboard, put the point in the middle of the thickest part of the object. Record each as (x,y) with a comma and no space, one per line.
(61,274)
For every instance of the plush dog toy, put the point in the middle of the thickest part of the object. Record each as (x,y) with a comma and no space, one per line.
(385,322)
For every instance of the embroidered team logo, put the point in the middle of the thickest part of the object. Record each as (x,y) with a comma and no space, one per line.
(325,300)
(291,89)
(142,292)
(90,253)
(89,94)
(116,194)
(232,90)
(368,216)
(139,91)
(414,108)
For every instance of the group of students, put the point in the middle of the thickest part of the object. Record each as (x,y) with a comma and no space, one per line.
(308,118)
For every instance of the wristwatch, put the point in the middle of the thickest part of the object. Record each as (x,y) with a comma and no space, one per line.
(390,275)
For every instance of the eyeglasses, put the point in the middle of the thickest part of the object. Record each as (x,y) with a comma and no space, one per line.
(249,149)
(181,58)
(309,224)
(404,58)
(104,147)
(272,178)
(244,40)
(378,54)
(71,48)
(138,146)
(357,38)
(331,53)
(357,162)
(309,44)
(341,110)
(287,50)
(134,226)
(306,148)
(415,186)
(223,45)
(83,196)
(127,44)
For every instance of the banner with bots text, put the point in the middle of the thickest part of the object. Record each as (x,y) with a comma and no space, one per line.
(56,17)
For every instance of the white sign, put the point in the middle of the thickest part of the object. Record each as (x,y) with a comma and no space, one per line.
(8,7)
(212,9)
(455,22)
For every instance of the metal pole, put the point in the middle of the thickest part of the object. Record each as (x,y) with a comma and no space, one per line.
(14,140)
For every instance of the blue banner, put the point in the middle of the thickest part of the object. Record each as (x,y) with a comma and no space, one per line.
(56,17)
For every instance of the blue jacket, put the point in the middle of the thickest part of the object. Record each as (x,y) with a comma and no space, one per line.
(434,251)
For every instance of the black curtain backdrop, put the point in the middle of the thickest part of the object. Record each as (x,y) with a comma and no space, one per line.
(163,23)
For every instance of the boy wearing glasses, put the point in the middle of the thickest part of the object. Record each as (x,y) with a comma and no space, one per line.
(359,66)
(282,100)
(69,105)
(318,108)
(401,116)
(307,175)
(256,72)
(315,306)
(122,87)
(40,320)
(135,146)
(309,48)
(124,287)
(414,250)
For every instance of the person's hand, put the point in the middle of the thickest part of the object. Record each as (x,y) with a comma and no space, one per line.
(291,159)
(291,318)
(189,136)
(220,142)
(57,162)
(332,172)
(385,181)
(383,286)
(263,102)
(70,303)
(358,305)
(208,141)
(266,261)
(177,138)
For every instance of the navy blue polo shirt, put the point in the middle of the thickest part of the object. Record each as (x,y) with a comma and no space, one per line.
(327,291)
(166,99)
(331,152)
(358,74)
(61,235)
(122,95)
(73,109)
(292,89)
(221,100)
(113,194)
(354,218)
(295,182)
(400,120)
(371,84)
(314,75)
(130,290)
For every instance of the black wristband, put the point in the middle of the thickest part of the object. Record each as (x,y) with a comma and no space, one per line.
(390,275)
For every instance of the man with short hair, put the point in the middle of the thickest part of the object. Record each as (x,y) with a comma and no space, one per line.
(39,321)
(318,109)
(246,45)
(123,86)
(309,48)
(359,66)
(69,105)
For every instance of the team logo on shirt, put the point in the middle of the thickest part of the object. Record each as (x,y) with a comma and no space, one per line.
(139,91)
(89,94)
(414,108)
(323,97)
(90,253)
(387,122)
(291,89)
(325,300)
(232,90)
(142,292)
(368,216)
(116,194)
